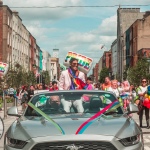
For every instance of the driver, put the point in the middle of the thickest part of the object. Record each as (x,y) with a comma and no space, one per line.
(55,102)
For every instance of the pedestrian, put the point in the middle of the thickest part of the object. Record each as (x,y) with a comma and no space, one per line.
(15,96)
(30,92)
(141,92)
(106,84)
(114,88)
(88,82)
(24,97)
(54,86)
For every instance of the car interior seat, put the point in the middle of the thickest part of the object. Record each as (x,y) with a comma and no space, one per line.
(95,104)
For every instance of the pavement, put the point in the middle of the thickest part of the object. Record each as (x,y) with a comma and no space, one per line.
(10,119)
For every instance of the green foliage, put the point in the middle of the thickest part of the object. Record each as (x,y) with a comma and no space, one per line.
(9,100)
(139,71)
(46,76)
(18,76)
(104,73)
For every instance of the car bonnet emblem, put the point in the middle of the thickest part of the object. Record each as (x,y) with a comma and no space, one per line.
(73,147)
(69,147)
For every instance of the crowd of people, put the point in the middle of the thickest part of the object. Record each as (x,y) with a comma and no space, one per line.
(73,79)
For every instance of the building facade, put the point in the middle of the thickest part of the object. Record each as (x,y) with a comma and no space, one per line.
(55,68)
(114,57)
(100,66)
(6,34)
(137,39)
(125,18)
(46,62)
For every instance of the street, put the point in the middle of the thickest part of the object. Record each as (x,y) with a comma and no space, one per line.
(10,119)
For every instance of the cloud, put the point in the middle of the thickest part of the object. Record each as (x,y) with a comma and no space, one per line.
(108,26)
(44,13)
(81,37)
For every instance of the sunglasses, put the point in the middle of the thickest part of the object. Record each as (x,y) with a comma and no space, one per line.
(75,64)
(144,81)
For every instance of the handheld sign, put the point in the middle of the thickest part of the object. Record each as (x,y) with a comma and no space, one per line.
(3,68)
(85,63)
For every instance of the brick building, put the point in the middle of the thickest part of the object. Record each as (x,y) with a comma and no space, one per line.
(125,18)
(138,39)
(6,33)
(32,53)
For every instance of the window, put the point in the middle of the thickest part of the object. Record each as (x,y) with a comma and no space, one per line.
(8,38)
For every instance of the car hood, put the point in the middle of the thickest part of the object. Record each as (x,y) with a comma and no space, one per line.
(118,126)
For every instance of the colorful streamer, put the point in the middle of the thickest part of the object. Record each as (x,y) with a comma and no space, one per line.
(47,117)
(87,123)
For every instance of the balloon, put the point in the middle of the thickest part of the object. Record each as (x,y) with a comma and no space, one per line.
(85,63)
(3,68)
(146,96)
(148,88)
(146,103)
(148,92)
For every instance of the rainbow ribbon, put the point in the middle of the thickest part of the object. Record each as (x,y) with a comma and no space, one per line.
(87,123)
(46,117)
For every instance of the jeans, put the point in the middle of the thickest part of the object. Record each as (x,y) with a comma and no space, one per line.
(76,103)
(15,96)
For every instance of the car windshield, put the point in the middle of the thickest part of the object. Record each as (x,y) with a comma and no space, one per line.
(73,102)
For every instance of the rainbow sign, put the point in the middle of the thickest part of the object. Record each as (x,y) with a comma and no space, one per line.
(85,62)
(3,68)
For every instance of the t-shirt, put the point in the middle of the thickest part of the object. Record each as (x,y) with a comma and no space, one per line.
(142,90)
(115,91)
(106,86)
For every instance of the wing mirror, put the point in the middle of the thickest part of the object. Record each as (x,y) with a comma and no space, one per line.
(132,109)
(13,111)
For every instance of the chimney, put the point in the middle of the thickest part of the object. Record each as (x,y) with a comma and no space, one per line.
(16,12)
(147,13)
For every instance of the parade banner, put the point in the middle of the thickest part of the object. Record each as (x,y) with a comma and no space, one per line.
(85,63)
(3,68)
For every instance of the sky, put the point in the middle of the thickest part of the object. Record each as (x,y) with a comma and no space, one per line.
(79,29)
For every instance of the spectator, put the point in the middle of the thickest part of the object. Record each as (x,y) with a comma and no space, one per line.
(54,86)
(141,92)
(107,84)
(114,88)
(30,92)
(88,81)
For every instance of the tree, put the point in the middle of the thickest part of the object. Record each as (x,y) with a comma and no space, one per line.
(104,73)
(139,71)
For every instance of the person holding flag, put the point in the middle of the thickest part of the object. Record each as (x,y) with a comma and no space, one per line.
(72,79)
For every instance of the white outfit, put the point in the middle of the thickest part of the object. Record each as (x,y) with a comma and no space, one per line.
(65,81)
(115,91)
(141,91)
(76,103)
(64,84)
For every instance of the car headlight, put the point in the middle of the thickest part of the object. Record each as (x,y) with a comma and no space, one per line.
(16,143)
(129,141)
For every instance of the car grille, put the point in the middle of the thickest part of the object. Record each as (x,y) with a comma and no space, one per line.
(75,145)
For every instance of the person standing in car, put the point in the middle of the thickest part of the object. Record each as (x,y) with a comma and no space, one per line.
(72,79)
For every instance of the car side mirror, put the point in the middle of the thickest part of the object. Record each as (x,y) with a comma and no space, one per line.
(132,109)
(13,111)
